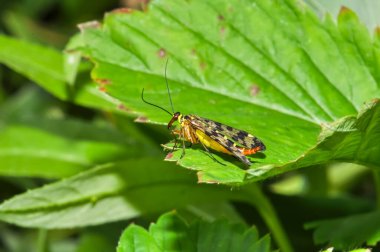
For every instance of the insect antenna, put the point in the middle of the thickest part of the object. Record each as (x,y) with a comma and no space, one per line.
(142,98)
(167,86)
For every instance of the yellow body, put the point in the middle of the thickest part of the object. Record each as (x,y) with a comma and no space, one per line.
(209,143)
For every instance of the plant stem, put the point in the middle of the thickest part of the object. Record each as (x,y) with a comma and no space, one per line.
(255,196)
(42,243)
(376,175)
(318,182)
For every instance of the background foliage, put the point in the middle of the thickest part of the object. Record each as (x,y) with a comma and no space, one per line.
(76,168)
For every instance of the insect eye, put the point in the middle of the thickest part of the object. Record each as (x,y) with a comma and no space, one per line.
(174,118)
(176,115)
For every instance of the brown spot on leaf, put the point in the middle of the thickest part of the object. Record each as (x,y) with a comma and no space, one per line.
(199,175)
(135,4)
(193,52)
(103,81)
(123,10)
(202,65)
(375,100)
(377,30)
(222,30)
(169,156)
(121,106)
(220,17)
(161,53)
(89,25)
(343,10)
(201,180)
(102,84)
(254,90)
(141,119)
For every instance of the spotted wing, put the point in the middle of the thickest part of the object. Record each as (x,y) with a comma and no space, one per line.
(228,144)
(219,138)
(240,137)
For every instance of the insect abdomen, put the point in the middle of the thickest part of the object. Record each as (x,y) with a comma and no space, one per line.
(247,152)
(210,143)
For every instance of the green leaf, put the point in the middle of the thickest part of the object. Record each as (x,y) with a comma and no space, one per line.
(29,151)
(109,193)
(135,238)
(44,66)
(343,233)
(35,139)
(350,139)
(171,233)
(274,70)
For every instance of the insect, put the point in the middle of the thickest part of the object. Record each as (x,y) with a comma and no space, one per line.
(211,134)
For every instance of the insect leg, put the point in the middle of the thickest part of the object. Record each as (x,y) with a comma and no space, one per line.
(176,134)
(210,154)
(175,141)
(181,136)
(183,148)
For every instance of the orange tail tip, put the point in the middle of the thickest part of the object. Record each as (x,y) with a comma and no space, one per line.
(247,152)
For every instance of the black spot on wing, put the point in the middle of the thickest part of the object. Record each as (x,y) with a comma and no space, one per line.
(229,142)
(235,138)
(253,142)
(242,134)
(229,145)
(248,141)
(258,143)
(214,133)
